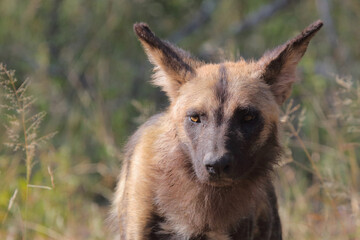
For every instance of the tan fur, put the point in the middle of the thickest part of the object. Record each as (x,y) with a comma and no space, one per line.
(164,189)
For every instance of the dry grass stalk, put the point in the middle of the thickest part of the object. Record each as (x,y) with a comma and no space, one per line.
(21,127)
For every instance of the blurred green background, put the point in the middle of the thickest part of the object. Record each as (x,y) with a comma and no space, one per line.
(89,74)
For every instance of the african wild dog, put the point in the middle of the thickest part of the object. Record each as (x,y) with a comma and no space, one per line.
(202,169)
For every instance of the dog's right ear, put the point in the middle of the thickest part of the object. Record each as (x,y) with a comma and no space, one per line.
(173,66)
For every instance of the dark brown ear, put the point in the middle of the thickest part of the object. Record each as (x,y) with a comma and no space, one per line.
(280,64)
(173,66)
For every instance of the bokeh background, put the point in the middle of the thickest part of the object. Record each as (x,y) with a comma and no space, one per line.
(62,131)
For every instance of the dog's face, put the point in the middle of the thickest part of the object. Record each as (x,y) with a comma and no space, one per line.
(226,118)
(226,115)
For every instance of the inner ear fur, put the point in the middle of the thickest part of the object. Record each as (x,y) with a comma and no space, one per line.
(280,64)
(173,66)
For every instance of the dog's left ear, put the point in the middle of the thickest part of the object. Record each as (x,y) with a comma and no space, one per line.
(173,66)
(279,65)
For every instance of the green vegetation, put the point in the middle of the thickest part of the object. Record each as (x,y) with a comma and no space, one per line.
(87,72)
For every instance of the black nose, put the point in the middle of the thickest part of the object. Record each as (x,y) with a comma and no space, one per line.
(219,166)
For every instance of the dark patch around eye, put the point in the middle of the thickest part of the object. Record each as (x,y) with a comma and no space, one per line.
(249,129)
(268,155)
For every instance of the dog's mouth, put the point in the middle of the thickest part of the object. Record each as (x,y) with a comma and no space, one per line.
(214,181)
(222,180)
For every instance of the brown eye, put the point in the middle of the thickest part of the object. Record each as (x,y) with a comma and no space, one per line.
(195,119)
(248,118)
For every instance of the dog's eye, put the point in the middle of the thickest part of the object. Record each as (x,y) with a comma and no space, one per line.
(248,118)
(195,119)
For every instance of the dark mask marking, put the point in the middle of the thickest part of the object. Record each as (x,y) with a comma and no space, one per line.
(221,94)
(267,156)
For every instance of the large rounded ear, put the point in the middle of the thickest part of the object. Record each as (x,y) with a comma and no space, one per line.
(279,65)
(173,66)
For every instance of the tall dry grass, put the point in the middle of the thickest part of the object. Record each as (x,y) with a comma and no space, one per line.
(22,125)
(319,192)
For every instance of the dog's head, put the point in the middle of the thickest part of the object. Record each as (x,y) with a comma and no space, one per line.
(226,115)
